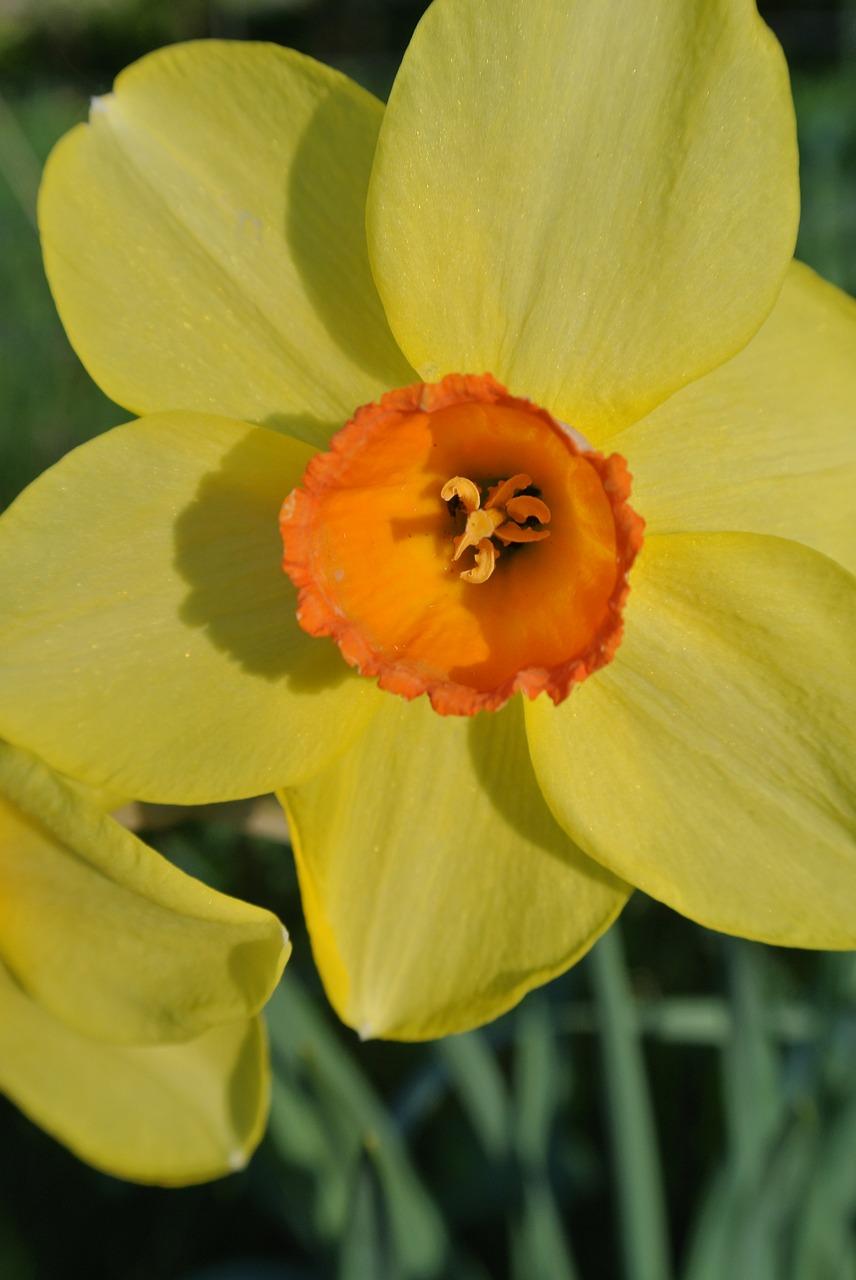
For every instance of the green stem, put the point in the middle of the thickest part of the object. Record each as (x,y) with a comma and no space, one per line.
(642,1214)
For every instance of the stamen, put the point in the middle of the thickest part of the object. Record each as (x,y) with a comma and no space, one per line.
(481,525)
(503,516)
(500,493)
(486,556)
(521,533)
(462,488)
(526,507)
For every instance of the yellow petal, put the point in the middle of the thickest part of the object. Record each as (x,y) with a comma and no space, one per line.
(437,887)
(204,239)
(153,647)
(766,443)
(168,1114)
(595,202)
(711,763)
(110,937)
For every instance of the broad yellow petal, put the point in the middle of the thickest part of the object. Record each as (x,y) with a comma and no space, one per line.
(593,200)
(711,763)
(152,645)
(766,443)
(168,1114)
(204,239)
(108,936)
(437,887)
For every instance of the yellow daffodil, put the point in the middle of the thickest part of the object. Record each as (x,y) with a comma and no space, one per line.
(436,340)
(129,993)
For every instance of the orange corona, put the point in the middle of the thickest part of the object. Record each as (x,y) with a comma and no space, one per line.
(457,541)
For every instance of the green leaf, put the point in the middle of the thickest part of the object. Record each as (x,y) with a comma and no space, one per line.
(743,1223)
(539,1245)
(639,1183)
(314,1071)
(537,1081)
(481,1090)
(367,1247)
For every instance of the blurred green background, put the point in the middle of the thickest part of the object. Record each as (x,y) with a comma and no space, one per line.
(678,1105)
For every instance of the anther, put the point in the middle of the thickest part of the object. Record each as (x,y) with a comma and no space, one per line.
(526,508)
(486,556)
(463,489)
(499,494)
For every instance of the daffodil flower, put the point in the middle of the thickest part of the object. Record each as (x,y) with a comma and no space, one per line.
(436,340)
(129,993)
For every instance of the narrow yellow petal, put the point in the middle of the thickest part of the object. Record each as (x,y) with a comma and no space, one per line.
(167,1114)
(595,202)
(765,443)
(438,889)
(711,763)
(108,936)
(152,646)
(204,239)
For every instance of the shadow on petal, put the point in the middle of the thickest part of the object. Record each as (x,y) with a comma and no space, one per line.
(248,1091)
(303,427)
(327,240)
(228,549)
(504,770)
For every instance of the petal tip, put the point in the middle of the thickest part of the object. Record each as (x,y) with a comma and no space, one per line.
(99,104)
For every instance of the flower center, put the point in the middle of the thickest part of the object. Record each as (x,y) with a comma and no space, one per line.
(443,487)
(509,515)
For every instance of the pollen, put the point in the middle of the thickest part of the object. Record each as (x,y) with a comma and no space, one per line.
(460,542)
